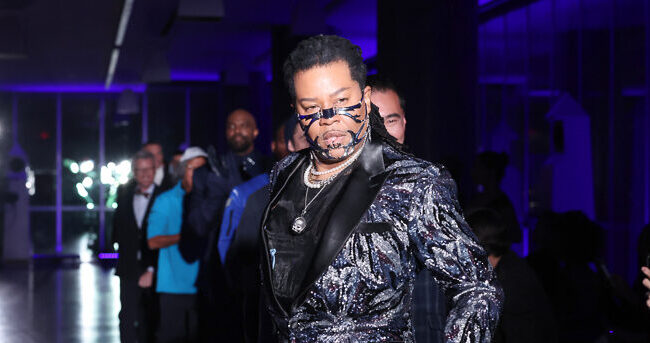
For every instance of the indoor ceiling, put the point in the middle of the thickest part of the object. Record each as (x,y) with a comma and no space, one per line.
(64,42)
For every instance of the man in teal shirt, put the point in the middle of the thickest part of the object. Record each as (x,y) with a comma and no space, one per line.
(175,278)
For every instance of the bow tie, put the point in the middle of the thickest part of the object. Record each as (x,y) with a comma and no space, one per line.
(144,194)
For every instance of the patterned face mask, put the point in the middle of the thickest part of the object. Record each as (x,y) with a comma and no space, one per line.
(355,137)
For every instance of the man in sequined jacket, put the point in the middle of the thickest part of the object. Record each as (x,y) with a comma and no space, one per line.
(353,219)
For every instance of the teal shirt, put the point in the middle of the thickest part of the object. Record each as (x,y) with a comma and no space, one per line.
(174,275)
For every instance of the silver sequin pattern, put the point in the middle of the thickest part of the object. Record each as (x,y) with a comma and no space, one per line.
(365,294)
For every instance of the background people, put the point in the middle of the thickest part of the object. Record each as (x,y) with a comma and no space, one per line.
(489,170)
(137,262)
(239,243)
(391,105)
(428,302)
(211,185)
(175,286)
(527,315)
(162,178)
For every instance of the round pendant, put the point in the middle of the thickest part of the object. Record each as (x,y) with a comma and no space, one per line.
(299,224)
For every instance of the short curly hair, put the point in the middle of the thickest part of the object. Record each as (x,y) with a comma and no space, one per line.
(322,50)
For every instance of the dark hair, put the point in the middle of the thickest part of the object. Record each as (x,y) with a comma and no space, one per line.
(378,130)
(321,50)
(583,238)
(381,84)
(289,128)
(494,161)
(490,230)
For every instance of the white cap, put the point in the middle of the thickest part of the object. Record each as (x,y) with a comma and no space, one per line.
(193,152)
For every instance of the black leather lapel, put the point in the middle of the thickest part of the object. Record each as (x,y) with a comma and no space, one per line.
(360,191)
(280,184)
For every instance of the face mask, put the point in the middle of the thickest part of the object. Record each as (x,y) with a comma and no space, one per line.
(355,137)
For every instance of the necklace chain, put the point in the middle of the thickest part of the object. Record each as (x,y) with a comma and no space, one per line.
(304,210)
(300,223)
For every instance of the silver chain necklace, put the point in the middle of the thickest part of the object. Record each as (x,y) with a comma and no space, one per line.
(300,223)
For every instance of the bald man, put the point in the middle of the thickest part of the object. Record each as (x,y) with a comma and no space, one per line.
(242,162)
(241,131)
(205,203)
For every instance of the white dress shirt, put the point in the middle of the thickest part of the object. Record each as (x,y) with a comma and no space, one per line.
(160,175)
(140,203)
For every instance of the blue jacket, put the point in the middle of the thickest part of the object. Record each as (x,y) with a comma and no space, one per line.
(234,209)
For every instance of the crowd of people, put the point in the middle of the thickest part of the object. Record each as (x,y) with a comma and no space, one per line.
(183,274)
(342,235)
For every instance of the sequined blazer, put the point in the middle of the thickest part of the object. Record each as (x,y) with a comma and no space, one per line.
(398,214)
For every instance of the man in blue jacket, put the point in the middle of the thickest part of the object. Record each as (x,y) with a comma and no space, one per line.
(239,243)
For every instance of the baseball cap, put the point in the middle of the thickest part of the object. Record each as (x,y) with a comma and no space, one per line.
(193,152)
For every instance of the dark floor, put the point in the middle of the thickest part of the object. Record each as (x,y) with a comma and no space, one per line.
(58,302)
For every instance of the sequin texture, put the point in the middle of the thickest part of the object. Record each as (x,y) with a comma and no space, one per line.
(365,294)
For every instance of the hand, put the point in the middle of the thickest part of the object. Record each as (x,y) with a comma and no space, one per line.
(146,280)
(191,165)
(187,178)
(646,283)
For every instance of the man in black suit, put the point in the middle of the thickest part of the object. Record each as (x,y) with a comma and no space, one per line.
(136,262)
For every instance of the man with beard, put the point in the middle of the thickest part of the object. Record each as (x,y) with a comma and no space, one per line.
(353,219)
(239,243)
(204,206)
(242,162)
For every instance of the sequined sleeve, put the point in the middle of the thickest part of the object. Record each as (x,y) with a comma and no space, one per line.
(445,245)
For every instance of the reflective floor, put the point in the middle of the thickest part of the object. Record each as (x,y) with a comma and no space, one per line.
(62,303)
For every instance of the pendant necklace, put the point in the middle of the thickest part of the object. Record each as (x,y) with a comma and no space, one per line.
(300,223)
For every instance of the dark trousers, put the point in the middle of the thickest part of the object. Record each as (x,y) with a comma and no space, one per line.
(178,318)
(138,313)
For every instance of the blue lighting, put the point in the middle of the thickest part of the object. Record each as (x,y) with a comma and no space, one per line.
(185,75)
(108,256)
(72,88)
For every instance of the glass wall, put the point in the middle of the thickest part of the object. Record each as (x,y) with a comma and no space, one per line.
(593,57)
(79,147)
